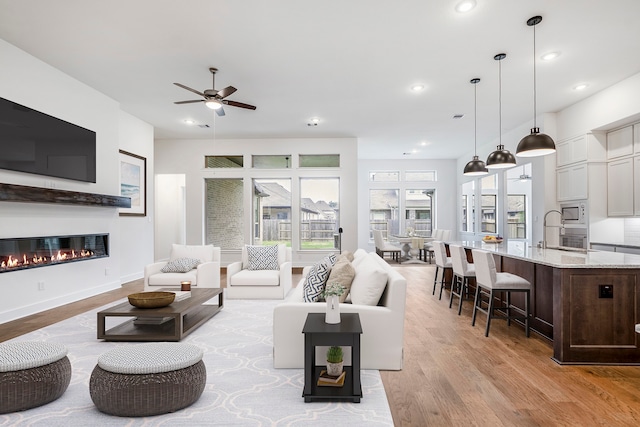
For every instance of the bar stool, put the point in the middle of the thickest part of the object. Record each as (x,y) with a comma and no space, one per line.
(462,272)
(489,282)
(442,262)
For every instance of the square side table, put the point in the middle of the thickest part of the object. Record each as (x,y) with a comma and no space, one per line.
(318,333)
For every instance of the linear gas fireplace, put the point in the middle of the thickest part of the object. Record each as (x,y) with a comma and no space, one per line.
(33,252)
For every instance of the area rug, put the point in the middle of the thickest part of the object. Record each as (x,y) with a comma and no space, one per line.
(243,388)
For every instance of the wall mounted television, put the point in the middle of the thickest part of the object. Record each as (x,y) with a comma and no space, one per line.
(34,142)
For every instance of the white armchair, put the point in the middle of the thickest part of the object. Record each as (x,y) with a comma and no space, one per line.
(204,275)
(246,283)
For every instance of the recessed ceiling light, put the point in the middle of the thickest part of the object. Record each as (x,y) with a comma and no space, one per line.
(458,116)
(580,86)
(313,121)
(189,121)
(465,6)
(550,56)
(417,87)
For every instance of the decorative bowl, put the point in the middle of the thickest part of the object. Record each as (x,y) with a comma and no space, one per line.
(492,240)
(151,299)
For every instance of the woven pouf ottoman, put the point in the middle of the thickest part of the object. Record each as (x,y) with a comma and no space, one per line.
(32,373)
(148,379)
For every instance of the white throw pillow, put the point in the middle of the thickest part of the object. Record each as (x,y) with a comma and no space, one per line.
(369,282)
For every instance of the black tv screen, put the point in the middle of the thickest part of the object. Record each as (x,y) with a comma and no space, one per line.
(34,142)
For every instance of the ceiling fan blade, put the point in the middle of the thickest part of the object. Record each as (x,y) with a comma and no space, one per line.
(220,111)
(189,102)
(226,92)
(189,89)
(239,104)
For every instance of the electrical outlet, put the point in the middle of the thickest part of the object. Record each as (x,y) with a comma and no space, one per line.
(41,286)
(106,271)
(606,291)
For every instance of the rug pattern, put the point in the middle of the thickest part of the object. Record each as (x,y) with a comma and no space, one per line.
(243,388)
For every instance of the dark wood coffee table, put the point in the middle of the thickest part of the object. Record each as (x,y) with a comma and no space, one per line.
(170,323)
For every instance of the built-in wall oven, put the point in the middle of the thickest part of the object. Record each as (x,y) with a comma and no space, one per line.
(574,237)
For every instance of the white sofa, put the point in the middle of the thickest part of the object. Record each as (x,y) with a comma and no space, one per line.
(243,283)
(205,275)
(382,325)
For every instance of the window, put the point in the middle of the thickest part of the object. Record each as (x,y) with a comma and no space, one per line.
(488,204)
(224,213)
(271,162)
(383,211)
(319,160)
(271,211)
(420,176)
(319,212)
(418,211)
(516,216)
(468,207)
(223,161)
(384,176)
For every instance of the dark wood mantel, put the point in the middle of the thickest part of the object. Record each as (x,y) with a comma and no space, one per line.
(23,193)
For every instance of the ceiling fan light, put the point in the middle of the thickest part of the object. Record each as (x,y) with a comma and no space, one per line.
(213,104)
(535,144)
(475,167)
(501,159)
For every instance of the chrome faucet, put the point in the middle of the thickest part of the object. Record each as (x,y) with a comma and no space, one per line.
(544,226)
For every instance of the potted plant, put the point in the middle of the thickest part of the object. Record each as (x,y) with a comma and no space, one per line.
(331,294)
(334,361)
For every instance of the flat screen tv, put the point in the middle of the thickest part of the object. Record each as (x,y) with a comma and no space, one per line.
(34,142)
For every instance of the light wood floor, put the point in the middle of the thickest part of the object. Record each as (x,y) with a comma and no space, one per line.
(454,376)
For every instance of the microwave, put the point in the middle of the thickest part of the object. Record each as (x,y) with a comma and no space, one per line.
(574,213)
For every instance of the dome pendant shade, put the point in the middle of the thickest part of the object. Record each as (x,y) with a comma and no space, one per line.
(501,159)
(475,167)
(536,144)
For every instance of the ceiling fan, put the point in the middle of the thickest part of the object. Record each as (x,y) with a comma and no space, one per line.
(213,98)
(523,177)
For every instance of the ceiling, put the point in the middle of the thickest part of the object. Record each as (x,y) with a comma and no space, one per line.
(349,63)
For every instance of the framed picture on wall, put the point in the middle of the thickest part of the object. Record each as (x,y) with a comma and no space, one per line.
(133,183)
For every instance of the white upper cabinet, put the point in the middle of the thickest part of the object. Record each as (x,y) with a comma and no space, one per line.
(572,183)
(620,142)
(620,187)
(588,147)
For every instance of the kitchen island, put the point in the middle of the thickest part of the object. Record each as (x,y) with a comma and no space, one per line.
(587,303)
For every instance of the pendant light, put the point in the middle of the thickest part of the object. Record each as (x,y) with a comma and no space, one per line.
(501,158)
(535,144)
(476,166)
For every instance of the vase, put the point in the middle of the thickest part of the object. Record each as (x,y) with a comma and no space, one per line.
(333,309)
(334,369)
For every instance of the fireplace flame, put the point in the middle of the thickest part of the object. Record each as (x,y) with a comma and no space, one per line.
(32,260)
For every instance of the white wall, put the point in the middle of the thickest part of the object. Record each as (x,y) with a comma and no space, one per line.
(186,157)
(31,82)
(446,202)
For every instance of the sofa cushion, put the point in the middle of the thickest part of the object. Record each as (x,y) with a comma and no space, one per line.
(263,257)
(173,279)
(202,252)
(343,273)
(181,265)
(256,278)
(369,282)
(315,281)
(346,255)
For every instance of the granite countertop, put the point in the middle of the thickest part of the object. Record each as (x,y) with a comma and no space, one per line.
(556,257)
